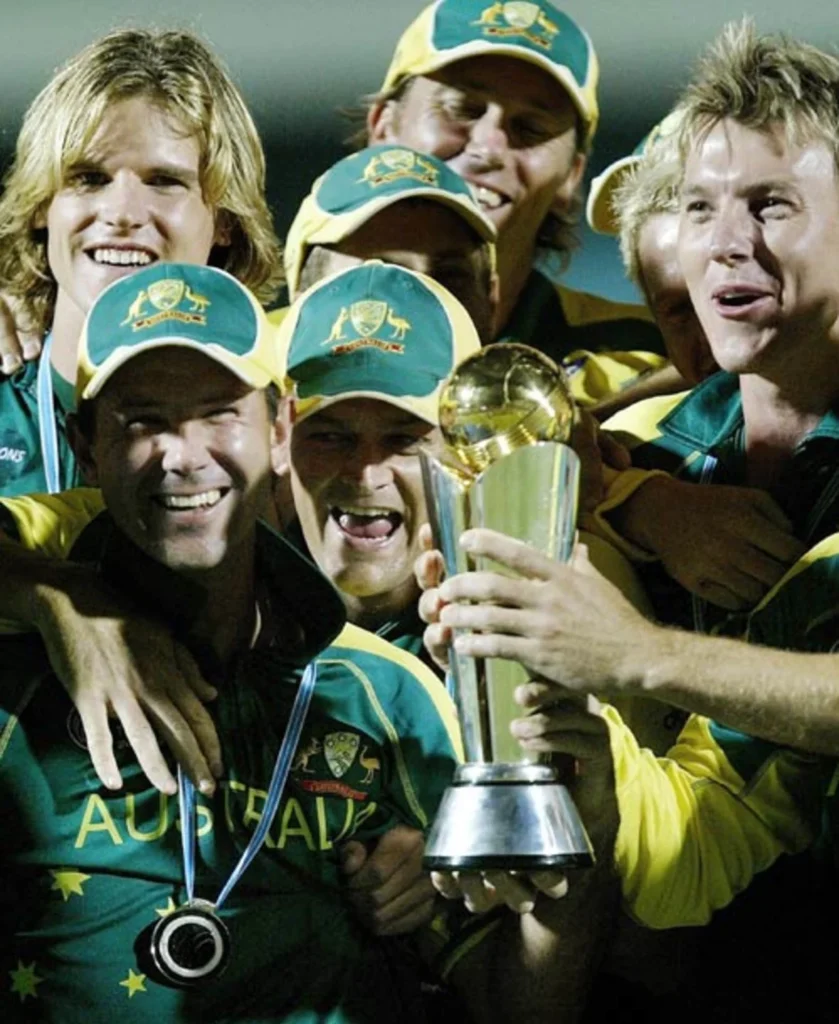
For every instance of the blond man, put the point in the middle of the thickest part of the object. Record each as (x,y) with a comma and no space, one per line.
(139,149)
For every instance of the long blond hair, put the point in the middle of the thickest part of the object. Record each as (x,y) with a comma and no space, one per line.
(177,73)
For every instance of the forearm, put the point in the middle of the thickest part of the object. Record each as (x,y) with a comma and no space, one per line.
(787,697)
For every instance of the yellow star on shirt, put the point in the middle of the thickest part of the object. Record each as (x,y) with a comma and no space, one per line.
(68,883)
(25,981)
(170,908)
(134,983)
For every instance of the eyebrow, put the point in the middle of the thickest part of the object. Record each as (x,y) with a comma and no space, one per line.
(170,170)
(488,88)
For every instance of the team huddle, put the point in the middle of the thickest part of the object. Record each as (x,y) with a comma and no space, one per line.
(224,724)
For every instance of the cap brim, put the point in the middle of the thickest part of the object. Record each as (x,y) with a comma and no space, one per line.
(599,210)
(250,373)
(424,407)
(479,48)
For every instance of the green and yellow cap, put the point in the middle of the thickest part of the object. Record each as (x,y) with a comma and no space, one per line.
(600,212)
(179,304)
(374,331)
(359,186)
(538,32)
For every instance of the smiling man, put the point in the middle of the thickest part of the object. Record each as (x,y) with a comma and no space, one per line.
(176,424)
(505,93)
(111,174)
(361,350)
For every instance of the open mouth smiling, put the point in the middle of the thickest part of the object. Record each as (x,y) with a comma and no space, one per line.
(365,524)
(200,501)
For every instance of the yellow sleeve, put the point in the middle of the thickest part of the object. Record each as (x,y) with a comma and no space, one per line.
(693,833)
(595,376)
(51,523)
(619,486)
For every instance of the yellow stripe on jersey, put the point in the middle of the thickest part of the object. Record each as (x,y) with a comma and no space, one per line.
(640,422)
(392,734)
(360,639)
(827,548)
(51,523)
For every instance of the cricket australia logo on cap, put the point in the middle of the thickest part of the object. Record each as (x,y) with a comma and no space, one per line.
(518,18)
(367,319)
(395,164)
(168,297)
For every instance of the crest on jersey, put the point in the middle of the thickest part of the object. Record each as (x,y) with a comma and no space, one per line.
(340,749)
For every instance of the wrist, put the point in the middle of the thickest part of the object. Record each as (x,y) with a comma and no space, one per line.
(638,519)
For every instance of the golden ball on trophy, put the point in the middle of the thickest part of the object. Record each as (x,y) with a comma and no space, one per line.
(502,398)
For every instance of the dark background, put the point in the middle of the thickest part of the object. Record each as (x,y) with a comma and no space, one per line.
(298,62)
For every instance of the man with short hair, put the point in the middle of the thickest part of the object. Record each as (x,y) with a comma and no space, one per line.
(112,173)
(327,732)
(356,436)
(507,97)
(394,204)
(758,242)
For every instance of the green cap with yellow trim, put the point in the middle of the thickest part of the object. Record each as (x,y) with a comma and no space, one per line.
(538,32)
(600,212)
(374,331)
(178,304)
(361,185)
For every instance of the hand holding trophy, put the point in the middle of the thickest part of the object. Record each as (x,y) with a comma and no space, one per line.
(506,415)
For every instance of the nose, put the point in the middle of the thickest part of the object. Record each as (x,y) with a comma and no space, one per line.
(183,450)
(368,467)
(488,139)
(124,201)
(734,237)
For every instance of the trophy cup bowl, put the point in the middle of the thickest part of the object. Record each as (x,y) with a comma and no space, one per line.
(506,414)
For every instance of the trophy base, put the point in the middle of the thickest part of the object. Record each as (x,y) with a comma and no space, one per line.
(509,817)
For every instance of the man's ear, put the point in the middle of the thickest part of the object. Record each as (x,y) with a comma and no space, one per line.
(381,122)
(565,193)
(83,448)
(281,439)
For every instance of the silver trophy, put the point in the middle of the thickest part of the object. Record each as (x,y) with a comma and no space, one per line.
(505,414)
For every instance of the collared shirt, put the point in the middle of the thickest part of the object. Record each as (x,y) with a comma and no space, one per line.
(21,462)
(698,825)
(87,870)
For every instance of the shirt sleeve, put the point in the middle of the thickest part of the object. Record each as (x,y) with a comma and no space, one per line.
(694,831)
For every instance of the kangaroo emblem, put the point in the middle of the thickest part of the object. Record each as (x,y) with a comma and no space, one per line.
(302,757)
(372,764)
(490,15)
(399,324)
(337,332)
(135,310)
(545,22)
(199,302)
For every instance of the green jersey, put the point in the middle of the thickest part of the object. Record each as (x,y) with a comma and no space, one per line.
(21,459)
(86,871)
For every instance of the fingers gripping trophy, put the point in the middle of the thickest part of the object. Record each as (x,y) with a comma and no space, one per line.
(506,414)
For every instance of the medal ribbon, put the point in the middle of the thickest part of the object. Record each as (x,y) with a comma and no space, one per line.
(186,795)
(46,419)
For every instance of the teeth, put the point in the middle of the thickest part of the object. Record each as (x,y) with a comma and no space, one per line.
(122,257)
(178,501)
(358,510)
(487,197)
